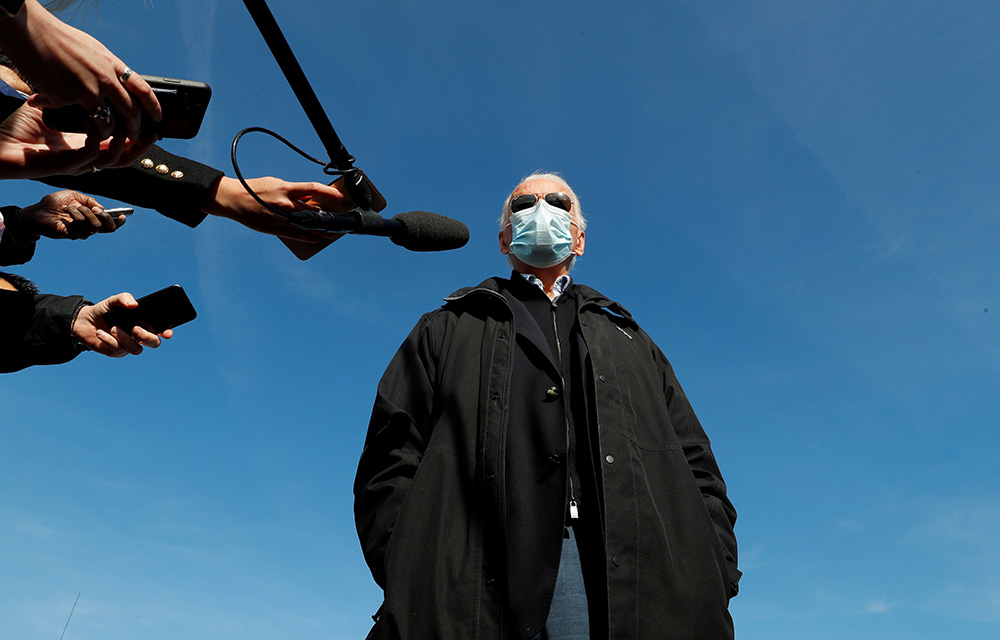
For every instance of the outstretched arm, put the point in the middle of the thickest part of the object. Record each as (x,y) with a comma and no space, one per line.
(188,191)
(49,329)
(91,330)
(64,214)
(230,200)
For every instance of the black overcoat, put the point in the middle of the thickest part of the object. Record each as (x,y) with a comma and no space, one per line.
(429,491)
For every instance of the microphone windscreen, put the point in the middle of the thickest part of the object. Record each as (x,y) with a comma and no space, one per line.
(426,231)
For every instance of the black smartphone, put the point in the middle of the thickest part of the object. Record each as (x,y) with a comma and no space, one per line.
(157,312)
(183,102)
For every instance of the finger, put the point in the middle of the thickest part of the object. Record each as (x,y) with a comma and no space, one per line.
(124,300)
(146,338)
(109,345)
(125,341)
(74,222)
(144,94)
(315,195)
(319,187)
(83,224)
(91,148)
(111,156)
(129,110)
(90,223)
(136,149)
(83,199)
(107,223)
(77,213)
(100,118)
(41,101)
(90,216)
(71,161)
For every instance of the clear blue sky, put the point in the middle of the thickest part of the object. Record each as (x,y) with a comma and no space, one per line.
(798,201)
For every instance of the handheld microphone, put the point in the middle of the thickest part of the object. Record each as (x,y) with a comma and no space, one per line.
(413,230)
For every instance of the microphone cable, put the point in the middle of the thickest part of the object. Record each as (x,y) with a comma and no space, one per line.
(328,167)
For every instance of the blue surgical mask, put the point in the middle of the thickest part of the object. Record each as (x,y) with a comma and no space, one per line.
(540,236)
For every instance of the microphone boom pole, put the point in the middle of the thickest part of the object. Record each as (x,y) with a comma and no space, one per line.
(355,182)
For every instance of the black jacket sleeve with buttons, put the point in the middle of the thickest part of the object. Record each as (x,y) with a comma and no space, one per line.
(169,184)
(160,180)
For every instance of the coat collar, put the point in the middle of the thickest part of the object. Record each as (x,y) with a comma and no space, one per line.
(491,287)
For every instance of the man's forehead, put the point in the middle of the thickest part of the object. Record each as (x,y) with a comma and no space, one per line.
(538,186)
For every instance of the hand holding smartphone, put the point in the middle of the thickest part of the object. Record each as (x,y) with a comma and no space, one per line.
(157,312)
(183,102)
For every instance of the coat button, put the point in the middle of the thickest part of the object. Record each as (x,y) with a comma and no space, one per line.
(610,458)
(615,561)
(146,163)
(177,175)
(552,392)
(162,168)
(602,378)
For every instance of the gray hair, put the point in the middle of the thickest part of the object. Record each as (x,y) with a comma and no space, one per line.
(57,6)
(581,222)
(82,7)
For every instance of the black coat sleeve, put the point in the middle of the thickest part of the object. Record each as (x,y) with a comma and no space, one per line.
(16,245)
(698,452)
(35,329)
(160,180)
(394,446)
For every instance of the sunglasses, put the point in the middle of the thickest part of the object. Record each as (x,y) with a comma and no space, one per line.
(528,200)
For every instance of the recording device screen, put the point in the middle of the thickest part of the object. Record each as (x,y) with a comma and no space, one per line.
(157,312)
(183,102)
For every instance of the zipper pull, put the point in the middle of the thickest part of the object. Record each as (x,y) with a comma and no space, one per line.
(574,510)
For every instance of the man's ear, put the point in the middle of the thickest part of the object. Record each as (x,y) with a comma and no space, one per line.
(504,243)
(580,243)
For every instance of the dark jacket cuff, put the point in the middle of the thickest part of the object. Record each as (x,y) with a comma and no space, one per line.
(160,180)
(17,246)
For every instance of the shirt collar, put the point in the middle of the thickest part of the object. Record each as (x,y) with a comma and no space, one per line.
(558,287)
(7,90)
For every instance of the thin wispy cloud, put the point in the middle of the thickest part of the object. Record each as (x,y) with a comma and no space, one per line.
(880,606)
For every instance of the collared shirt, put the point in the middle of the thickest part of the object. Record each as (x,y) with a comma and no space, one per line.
(10,99)
(11,92)
(558,287)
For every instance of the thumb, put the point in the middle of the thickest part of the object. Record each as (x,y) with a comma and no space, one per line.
(41,101)
(124,300)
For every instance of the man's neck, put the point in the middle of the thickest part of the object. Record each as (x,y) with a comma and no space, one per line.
(547,275)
